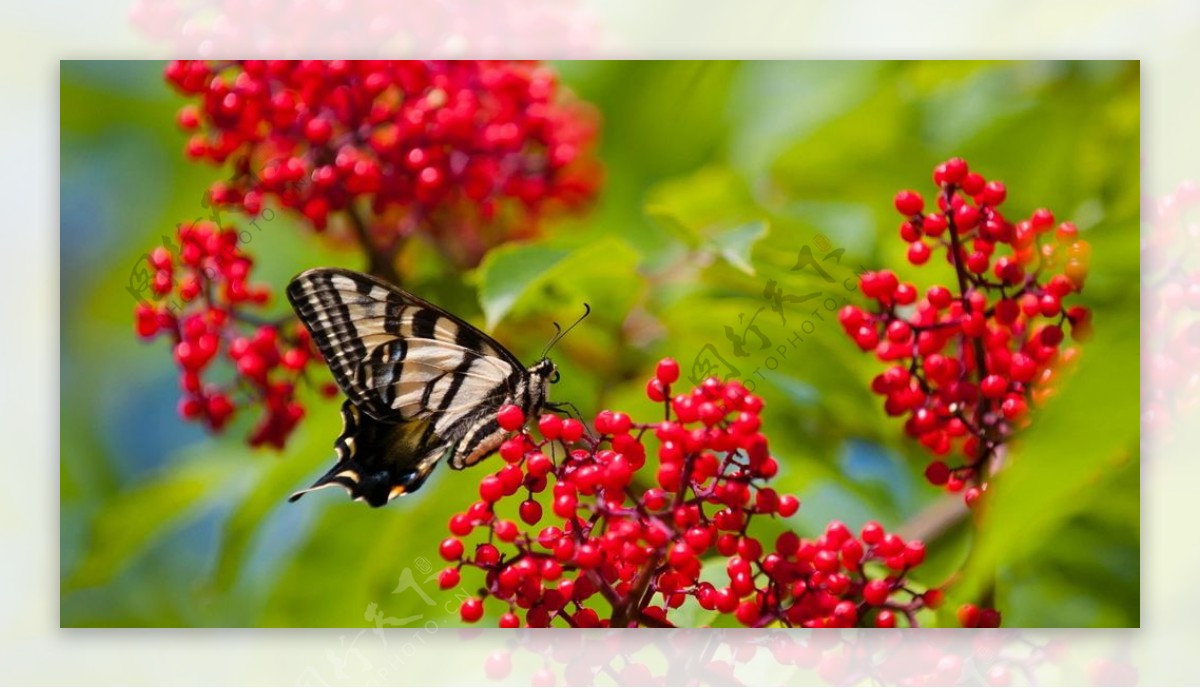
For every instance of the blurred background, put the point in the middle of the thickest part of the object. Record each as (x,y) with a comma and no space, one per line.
(717,175)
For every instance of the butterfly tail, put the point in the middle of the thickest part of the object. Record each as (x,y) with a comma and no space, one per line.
(346,472)
(342,475)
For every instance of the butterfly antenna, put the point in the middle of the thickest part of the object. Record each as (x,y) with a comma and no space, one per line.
(559,333)
(553,339)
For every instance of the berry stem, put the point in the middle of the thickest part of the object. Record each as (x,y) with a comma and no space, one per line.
(978,474)
(379,263)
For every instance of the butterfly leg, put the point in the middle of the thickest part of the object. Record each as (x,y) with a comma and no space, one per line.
(565,407)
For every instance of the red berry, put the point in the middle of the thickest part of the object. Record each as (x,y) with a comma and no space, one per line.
(747,613)
(939,296)
(954,171)
(872,533)
(993,386)
(971,496)
(966,217)
(914,552)
(486,554)
(451,549)
(564,506)
(898,331)
(667,371)
(510,417)
(471,610)
(538,465)
(978,262)
(934,224)
(550,426)
(1052,335)
(876,592)
(937,473)
(851,317)
(909,202)
(1013,407)
(460,525)
(968,616)
(1049,305)
(973,183)
(506,531)
(449,578)
(993,193)
(572,430)
(918,253)
(318,130)
(530,511)
(491,489)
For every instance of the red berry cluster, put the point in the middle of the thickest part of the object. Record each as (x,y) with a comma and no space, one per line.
(1169,307)
(973,616)
(469,153)
(966,361)
(200,297)
(628,536)
(736,658)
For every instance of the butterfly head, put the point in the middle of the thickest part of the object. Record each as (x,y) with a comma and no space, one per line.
(544,370)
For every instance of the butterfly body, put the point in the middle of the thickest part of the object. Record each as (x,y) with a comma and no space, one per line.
(421,384)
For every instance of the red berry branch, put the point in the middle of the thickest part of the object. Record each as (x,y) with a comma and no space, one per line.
(1170,303)
(965,362)
(615,553)
(201,299)
(465,154)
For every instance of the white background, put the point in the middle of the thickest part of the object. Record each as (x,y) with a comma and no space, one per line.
(1164,35)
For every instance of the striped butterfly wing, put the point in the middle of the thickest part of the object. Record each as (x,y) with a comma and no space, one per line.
(419,381)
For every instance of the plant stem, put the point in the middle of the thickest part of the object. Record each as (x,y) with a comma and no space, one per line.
(379,262)
(986,445)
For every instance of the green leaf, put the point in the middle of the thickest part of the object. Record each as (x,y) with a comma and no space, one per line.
(735,245)
(712,209)
(1059,470)
(602,274)
(274,483)
(510,271)
(136,519)
(708,199)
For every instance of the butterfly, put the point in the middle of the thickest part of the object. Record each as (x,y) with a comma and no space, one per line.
(421,384)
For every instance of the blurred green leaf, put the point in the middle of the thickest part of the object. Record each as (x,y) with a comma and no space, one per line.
(735,245)
(602,274)
(510,271)
(274,483)
(138,517)
(698,204)
(1059,469)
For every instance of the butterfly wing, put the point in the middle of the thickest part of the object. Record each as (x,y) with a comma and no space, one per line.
(377,462)
(420,382)
(396,356)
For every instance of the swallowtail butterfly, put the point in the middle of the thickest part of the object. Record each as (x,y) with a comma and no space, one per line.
(421,384)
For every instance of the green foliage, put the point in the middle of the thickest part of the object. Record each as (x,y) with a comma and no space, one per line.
(717,176)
